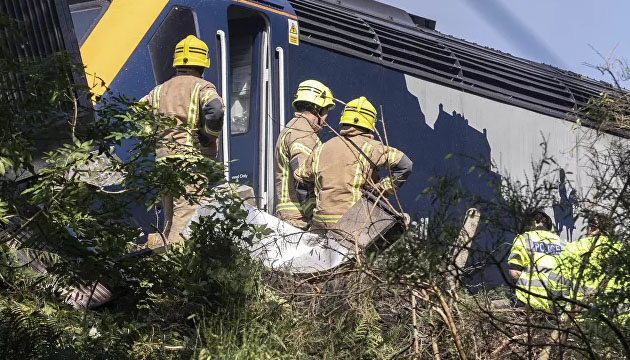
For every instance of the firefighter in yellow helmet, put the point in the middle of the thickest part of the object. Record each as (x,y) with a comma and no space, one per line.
(346,165)
(295,143)
(195,104)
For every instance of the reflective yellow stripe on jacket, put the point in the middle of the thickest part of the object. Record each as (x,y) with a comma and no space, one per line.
(330,219)
(309,204)
(315,170)
(284,191)
(288,206)
(359,174)
(156,98)
(297,147)
(191,120)
(155,105)
(284,203)
(391,155)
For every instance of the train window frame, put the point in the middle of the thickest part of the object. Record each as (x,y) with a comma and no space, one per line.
(164,54)
(84,6)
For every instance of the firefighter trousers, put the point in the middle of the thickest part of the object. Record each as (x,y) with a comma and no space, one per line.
(177,212)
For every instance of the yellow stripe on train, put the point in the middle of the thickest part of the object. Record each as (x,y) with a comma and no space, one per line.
(115,37)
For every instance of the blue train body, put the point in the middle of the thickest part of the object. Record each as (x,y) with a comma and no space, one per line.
(439,95)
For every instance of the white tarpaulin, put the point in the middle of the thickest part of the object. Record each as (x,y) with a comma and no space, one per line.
(287,247)
(293,249)
(298,251)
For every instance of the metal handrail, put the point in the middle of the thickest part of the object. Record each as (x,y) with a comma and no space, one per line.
(281,98)
(224,94)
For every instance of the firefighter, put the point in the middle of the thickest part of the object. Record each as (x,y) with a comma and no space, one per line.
(312,102)
(194,103)
(533,255)
(347,164)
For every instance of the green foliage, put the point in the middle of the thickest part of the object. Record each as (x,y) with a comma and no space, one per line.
(4,212)
(207,298)
(367,333)
(26,333)
(218,266)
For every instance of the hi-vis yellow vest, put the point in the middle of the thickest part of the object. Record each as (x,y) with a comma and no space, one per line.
(579,273)
(536,252)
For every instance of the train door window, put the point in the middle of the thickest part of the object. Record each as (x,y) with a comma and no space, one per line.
(85,15)
(241,47)
(179,23)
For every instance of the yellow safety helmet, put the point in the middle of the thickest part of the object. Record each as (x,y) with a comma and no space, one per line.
(314,92)
(359,112)
(191,52)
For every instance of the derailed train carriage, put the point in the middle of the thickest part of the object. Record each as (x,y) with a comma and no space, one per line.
(440,95)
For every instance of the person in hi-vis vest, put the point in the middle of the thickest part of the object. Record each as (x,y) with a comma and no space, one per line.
(533,256)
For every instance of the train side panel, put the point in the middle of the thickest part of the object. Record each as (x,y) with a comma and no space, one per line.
(446,132)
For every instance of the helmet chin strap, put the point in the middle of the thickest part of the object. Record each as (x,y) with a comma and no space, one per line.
(322,122)
(319,120)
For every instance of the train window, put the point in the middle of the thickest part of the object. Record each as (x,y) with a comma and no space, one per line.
(179,23)
(241,85)
(85,15)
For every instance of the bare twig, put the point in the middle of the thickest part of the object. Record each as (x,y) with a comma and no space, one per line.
(416,345)
(507,342)
(546,352)
(434,345)
(75,115)
(162,237)
(389,169)
(448,317)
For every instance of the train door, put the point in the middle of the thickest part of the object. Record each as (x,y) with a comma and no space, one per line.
(248,147)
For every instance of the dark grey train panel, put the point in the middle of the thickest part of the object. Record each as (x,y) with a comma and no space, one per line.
(37,29)
(47,24)
(395,42)
(44,28)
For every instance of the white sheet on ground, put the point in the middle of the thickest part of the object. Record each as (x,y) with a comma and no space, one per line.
(287,247)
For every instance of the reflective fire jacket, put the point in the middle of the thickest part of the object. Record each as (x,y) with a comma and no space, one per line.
(340,171)
(295,144)
(194,103)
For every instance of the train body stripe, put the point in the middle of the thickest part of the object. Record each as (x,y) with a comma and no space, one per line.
(267,8)
(115,37)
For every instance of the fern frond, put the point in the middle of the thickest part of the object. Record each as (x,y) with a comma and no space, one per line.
(26,333)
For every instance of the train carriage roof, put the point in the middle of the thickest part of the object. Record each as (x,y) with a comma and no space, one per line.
(395,39)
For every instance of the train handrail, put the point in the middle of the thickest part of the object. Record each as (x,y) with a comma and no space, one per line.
(266,160)
(224,94)
(282,118)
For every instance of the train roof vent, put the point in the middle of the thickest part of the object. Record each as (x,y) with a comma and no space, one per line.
(514,80)
(416,53)
(325,25)
(423,22)
(376,9)
(395,39)
(582,87)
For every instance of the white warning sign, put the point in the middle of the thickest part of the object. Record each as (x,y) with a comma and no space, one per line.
(294,32)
